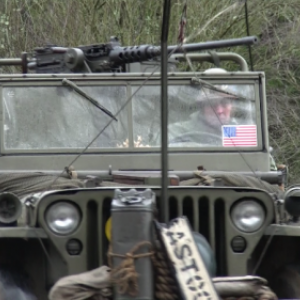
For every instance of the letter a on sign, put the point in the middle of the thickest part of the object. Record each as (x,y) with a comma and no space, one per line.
(189,269)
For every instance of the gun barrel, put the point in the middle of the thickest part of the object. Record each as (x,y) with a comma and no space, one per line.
(10,61)
(121,55)
(214,44)
(145,52)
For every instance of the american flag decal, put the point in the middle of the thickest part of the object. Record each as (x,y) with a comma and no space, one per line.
(239,136)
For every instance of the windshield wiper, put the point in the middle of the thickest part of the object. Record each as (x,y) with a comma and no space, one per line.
(197,81)
(86,96)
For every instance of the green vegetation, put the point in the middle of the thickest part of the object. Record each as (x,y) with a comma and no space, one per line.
(26,24)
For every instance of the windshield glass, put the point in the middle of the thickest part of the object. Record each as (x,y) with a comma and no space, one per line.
(56,117)
(199,117)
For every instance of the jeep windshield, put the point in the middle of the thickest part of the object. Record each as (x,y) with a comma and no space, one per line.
(52,117)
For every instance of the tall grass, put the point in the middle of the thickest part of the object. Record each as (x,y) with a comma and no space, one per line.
(26,24)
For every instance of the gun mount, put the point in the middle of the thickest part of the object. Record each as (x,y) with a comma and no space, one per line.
(110,57)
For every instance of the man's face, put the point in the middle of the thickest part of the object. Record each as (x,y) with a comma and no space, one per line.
(218,114)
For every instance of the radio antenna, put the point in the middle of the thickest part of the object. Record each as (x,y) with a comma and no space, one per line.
(164,112)
(248,34)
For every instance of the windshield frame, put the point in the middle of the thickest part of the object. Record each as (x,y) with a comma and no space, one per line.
(130,80)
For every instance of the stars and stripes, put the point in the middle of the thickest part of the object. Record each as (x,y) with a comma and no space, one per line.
(239,135)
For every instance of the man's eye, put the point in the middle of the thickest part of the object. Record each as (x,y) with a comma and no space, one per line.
(224,102)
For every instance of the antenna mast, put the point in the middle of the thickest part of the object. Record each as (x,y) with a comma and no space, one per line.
(164,213)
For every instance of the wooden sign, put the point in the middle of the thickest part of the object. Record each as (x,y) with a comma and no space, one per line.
(190,272)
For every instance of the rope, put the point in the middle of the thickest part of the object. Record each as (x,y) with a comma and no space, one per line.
(165,284)
(166,287)
(125,275)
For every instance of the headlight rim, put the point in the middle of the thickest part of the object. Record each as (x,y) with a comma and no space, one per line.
(245,199)
(68,202)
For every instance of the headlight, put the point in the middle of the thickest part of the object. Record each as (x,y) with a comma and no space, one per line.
(292,201)
(10,208)
(62,217)
(248,216)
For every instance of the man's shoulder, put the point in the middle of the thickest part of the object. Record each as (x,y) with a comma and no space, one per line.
(193,120)
(182,127)
(178,128)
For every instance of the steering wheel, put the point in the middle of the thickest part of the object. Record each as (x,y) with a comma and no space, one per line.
(200,137)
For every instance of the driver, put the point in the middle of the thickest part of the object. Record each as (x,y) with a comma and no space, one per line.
(214,109)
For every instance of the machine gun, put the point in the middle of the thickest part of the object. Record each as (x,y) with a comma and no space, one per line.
(110,57)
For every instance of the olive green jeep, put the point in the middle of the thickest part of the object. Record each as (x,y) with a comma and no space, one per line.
(70,139)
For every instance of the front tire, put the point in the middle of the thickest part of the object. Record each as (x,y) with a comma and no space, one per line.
(286,282)
(14,284)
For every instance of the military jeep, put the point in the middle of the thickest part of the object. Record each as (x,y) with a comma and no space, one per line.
(63,155)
